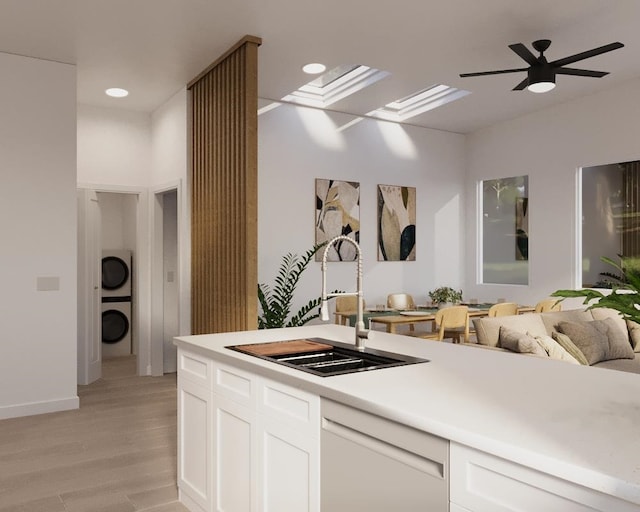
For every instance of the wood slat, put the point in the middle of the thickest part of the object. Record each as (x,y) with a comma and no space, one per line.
(225,191)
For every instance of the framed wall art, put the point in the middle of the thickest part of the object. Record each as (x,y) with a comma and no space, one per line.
(337,213)
(396,223)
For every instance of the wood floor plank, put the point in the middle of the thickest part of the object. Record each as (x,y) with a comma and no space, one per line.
(117,453)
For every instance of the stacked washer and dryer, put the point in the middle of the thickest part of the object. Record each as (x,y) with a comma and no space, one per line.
(116,303)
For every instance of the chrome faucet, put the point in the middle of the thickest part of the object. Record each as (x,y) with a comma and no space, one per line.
(361,332)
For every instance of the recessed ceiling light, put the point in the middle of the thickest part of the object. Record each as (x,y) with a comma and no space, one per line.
(116,92)
(314,68)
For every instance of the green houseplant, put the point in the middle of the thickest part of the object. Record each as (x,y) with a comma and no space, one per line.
(276,302)
(625,290)
(445,295)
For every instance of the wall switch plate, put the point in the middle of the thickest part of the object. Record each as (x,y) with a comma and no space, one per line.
(47,284)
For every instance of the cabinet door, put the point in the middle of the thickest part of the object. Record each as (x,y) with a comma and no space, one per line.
(290,469)
(485,483)
(194,443)
(235,463)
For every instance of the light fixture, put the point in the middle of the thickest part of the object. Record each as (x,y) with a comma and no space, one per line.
(541,79)
(116,92)
(314,68)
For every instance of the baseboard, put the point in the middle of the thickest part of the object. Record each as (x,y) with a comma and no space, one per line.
(29,409)
(186,500)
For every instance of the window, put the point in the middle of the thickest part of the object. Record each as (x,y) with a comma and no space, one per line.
(610,219)
(505,230)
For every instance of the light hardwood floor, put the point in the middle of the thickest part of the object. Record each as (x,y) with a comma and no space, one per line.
(117,453)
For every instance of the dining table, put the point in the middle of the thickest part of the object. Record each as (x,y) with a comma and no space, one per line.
(392,318)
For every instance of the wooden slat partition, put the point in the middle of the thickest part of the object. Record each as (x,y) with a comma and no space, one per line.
(224,192)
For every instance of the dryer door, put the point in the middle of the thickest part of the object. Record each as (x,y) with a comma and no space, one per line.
(115,273)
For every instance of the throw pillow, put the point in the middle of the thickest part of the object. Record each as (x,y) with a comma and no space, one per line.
(589,338)
(553,349)
(634,334)
(619,345)
(565,342)
(517,341)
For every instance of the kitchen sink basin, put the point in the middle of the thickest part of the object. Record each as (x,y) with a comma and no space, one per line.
(325,357)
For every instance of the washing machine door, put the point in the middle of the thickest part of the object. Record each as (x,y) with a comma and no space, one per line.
(115,326)
(115,273)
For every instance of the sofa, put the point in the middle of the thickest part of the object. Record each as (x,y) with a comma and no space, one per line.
(598,337)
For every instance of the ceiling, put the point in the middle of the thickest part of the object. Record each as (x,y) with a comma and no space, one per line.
(154,47)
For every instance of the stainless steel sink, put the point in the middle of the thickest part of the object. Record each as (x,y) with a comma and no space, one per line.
(340,359)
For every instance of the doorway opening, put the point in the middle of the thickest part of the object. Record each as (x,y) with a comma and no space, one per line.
(170,291)
(118,235)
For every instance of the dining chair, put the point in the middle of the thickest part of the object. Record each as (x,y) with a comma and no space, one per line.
(450,322)
(503,309)
(347,304)
(402,301)
(548,305)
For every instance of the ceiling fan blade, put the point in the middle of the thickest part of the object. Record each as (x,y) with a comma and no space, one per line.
(524,53)
(498,72)
(522,85)
(585,55)
(581,72)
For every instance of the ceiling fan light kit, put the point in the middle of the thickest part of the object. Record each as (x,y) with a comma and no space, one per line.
(541,79)
(541,74)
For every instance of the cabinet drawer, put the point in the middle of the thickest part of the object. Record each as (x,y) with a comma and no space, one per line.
(293,407)
(483,483)
(195,368)
(234,384)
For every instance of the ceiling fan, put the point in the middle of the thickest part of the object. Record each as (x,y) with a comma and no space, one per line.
(541,75)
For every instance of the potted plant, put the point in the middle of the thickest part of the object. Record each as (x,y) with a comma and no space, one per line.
(625,290)
(445,295)
(276,303)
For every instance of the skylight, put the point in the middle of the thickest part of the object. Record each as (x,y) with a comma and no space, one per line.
(418,103)
(335,85)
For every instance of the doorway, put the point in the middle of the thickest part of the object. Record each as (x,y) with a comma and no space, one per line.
(170,301)
(118,214)
(107,221)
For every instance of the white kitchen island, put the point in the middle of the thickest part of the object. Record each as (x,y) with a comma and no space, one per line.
(503,432)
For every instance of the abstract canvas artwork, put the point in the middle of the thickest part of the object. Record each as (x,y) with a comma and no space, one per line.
(396,223)
(337,213)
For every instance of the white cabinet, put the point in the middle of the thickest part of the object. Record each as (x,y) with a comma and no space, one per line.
(289,424)
(195,433)
(291,469)
(234,457)
(246,443)
(483,483)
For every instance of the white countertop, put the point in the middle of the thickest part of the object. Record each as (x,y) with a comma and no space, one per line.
(578,423)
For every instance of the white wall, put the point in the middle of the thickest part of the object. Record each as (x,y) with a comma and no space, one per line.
(298,145)
(39,238)
(114,147)
(169,150)
(550,146)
